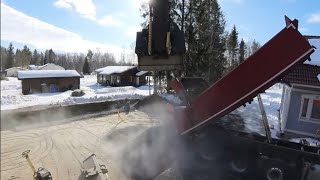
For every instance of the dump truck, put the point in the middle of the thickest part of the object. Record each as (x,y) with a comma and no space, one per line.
(204,149)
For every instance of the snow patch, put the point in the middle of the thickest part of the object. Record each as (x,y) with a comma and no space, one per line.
(171,98)
(313,142)
(12,97)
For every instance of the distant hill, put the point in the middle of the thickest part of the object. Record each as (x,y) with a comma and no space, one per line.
(16,45)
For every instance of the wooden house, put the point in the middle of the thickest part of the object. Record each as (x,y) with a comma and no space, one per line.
(45,81)
(121,76)
(300,102)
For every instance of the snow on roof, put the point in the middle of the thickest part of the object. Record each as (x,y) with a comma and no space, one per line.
(33,67)
(100,69)
(47,74)
(141,73)
(115,69)
(16,68)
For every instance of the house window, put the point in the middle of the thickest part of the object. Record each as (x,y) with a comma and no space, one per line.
(315,113)
(310,108)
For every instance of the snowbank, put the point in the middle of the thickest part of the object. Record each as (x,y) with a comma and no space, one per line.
(171,98)
(12,97)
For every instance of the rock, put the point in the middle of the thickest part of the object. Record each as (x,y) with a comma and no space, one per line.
(77,93)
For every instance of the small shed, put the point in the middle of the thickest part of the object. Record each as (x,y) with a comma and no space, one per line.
(121,76)
(12,72)
(45,81)
(300,102)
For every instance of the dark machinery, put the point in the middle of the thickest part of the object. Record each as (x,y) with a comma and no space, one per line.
(246,155)
(161,44)
(41,173)
(92,170)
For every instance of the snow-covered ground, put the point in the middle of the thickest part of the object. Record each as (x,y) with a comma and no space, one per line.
(252,114)
(12,97)
(252,119)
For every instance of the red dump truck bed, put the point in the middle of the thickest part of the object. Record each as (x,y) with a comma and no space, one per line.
(253,76)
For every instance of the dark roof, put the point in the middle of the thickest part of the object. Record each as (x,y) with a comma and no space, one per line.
(304,74)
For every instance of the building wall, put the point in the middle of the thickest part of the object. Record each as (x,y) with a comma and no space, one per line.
(127,78)
(60,84)
(142,80)
(284,106)
(294,123)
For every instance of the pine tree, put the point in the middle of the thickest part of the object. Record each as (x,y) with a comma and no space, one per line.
(25,56)
(86,65)
(255,46)
(46,57)
(232,47)
(35,58)
(217,39)
(89,54)
(10,57)
(51,56)
(17,58)
(204,32)
(242,50)
(41,62)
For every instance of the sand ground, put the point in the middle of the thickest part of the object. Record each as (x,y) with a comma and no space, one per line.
(62,148)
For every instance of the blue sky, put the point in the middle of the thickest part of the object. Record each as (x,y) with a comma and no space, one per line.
(111,25)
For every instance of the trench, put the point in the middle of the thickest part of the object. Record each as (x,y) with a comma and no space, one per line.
(39,116)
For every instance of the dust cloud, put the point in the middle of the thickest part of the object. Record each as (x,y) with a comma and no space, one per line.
(154,150)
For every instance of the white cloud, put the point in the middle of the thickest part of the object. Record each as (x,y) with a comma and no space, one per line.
(85,8)
(131,31)
(109,21)
(19,27)
(62,4)
(314,18)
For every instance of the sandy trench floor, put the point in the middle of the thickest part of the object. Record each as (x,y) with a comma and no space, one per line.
(62,148)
